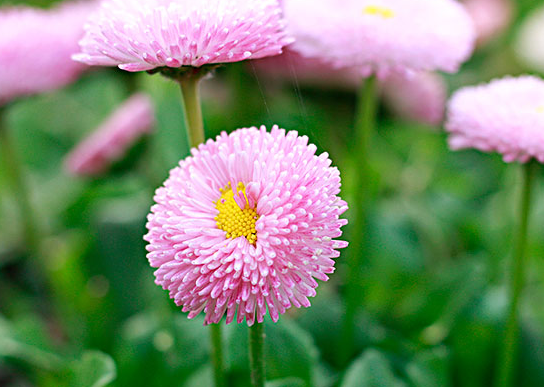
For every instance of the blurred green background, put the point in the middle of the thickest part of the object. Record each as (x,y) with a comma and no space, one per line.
(89,313)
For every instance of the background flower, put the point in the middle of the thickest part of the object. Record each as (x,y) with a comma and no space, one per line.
(113,138)
(36,48)
(287,197)
(504,116)
(382,35)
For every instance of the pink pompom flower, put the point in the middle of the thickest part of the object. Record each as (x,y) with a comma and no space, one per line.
(420,97)
(94,155)
(504,116)
(491,17)
(377,36)
(246,224)
(36,48)
(154,34)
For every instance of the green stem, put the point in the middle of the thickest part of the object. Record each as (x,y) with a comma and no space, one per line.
(19,189)
(193,110)
(217,355)
(507,361)
(256,354)
(364,129)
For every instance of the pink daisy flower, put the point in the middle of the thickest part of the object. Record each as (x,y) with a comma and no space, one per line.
(175,33)
(36,46)
(420,97)
(504,116)
(382,35)
(246,224)
(491,17)
(113,138)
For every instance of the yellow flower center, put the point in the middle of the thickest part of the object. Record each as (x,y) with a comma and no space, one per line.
(386,13)
(232,219)
(540,109)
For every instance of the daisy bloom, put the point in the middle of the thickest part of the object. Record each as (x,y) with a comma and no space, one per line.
(113,138)
(491,17)
(36,46)
(377,36)
(420,97)
(291,66)
(504,116)
(245,224)
(173,33)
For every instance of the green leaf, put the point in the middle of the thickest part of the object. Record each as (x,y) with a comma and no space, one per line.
(287,382)
(430,368)
(201,377)
(93,369)
(371,369)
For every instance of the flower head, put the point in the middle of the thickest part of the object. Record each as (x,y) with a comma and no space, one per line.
(246,224)
(504,116)
(491,17)
(107,144)
(175,33)
(36,46)
(382,35)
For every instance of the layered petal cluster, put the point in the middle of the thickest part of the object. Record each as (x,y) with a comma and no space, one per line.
(504,116)
(257,247)
(175,33)
(382,35)
(95,154)
(420,97)
(36,48)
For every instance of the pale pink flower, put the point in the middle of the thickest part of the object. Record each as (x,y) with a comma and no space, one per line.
(529,43)
(291,66)
(491,17)
(377,36)
(36,48)
(420,97)
(94,155)
(504,116)
(286,202)
(148,34)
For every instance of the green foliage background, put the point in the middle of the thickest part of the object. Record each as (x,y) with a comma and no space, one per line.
(434,295)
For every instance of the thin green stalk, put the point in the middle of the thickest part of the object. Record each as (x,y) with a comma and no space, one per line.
(256,354)
(12,167)
(217,355)
(364,128)
(193,110)
(508,356)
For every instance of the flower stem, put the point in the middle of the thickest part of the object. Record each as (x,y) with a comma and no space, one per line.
(364,128)
(217,355)
(507,362)
(256,354)
(19,189)
(193,110)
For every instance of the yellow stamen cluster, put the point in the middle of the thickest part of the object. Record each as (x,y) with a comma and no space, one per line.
(236,222)
(386,13)
(540,109)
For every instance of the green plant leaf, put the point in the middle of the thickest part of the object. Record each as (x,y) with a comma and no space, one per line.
(371,369)
(93,369)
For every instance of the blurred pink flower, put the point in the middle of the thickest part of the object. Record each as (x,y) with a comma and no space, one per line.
(420,97)
(245,224)
(490,17)
(308,71)
(109,143)
(36,46)
(382,35)
(173,33)
(504,116)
